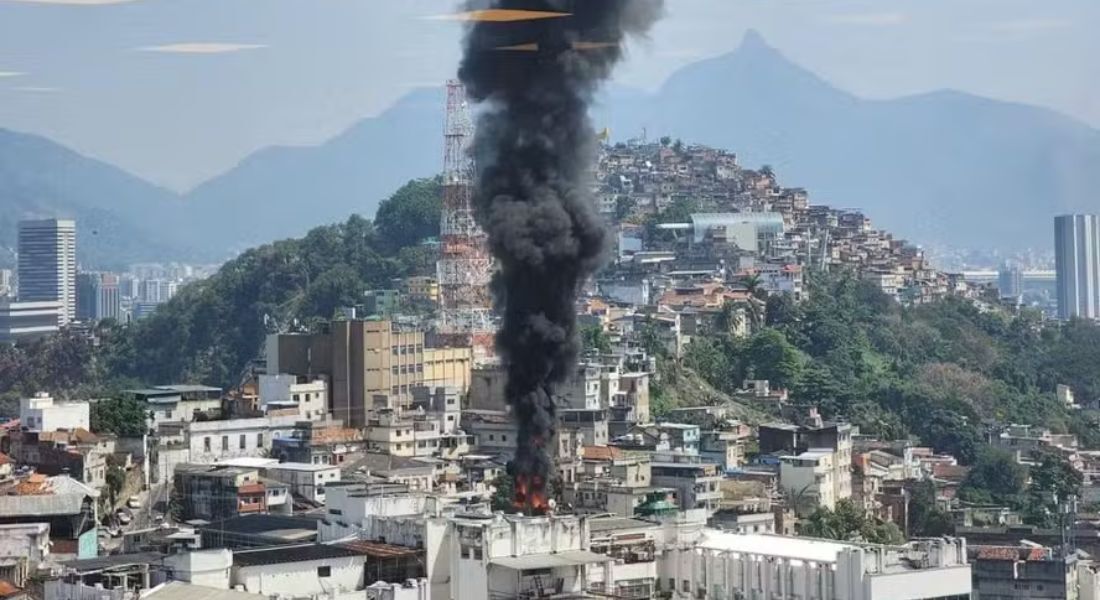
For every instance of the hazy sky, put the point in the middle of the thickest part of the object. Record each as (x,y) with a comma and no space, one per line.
(177,91)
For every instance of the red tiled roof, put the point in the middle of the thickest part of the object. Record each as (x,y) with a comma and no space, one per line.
(998,553)
(607,453)
(7,588)
(955,472)
(378,549)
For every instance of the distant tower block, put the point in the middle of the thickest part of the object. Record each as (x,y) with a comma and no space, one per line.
(465,265)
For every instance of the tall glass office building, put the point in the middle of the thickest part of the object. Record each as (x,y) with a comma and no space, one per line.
(1077,261)
(47,264)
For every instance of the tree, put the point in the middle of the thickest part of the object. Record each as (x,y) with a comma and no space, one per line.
(848,522)
(926,519)
(623,207)
(994,477)
(665,141)
(115,477)
(504,493)
(124,417)
(772,357)
(411,214)
(595,339)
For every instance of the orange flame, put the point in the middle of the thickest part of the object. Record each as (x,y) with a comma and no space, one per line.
(530,495)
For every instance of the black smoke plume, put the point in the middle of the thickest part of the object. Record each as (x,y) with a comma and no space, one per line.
(534,150)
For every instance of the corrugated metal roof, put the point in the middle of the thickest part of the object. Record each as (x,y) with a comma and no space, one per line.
(290,554)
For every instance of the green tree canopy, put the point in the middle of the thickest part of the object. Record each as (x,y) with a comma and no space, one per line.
(848,522)
(124,417)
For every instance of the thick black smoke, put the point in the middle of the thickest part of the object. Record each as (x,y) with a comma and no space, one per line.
(535,148)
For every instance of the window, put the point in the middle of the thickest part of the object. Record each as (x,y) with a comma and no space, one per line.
(393,370)
(685,586)
(242,442)
(259,440)
(503,438)
(296,397)
(225,443)
(325,571)
(206,444)
(491,437)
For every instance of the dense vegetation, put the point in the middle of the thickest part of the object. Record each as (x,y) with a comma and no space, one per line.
(941,372)
(848,522)
(210,331)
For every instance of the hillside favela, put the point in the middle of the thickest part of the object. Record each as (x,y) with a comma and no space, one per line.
(549,299)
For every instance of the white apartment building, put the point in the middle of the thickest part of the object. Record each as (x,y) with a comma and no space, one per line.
(494,556)
(213,441)
(28,320)
(808,479)
(305,479)
(310,398)
(401,433)
(42,413)
(304,571)
(771,567)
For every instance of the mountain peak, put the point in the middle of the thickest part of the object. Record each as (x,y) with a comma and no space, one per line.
(754,40)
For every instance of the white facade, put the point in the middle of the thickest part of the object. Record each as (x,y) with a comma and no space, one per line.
(310,398)
(759,567)
(808,479)
(583,392)
(41,413)
(413,589)
(22,547)
(326,577)
(213,441)
(510,557)
(305,479)
(28,320)
(210,568)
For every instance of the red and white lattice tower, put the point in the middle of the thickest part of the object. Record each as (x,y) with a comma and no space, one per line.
(465,265)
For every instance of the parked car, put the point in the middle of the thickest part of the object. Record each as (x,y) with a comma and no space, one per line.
(133,502)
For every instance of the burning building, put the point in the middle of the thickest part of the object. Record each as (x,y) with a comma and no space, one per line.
(533,149)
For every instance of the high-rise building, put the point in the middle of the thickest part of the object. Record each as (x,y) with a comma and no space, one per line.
(1010,280)
(97,297)
(47,264)
(1077,262)
(364,358)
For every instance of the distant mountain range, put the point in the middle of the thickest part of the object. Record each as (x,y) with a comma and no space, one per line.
(119,217)
(938,167)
